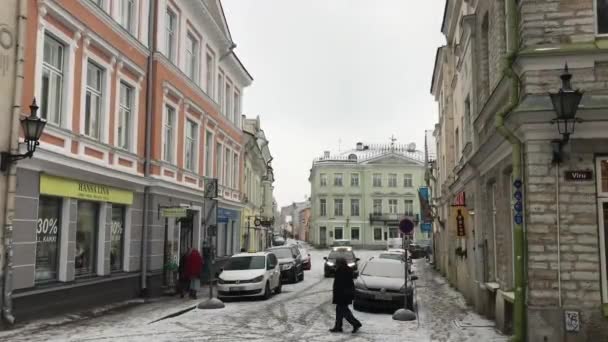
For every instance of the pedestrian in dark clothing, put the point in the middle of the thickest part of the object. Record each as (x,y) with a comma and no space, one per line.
(343,295)
(183,283)
(193,267)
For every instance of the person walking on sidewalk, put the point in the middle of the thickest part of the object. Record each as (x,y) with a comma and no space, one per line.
(183,283)
(343,294)
(192,271)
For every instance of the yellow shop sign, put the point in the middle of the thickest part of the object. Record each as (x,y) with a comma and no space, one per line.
(56,186)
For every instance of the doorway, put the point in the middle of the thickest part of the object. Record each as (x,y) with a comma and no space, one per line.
(323,236)
(186,233)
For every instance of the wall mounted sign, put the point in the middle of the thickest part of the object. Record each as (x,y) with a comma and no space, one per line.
(578,175)
(460,200)
(57,186)
(177,212)
(572,320)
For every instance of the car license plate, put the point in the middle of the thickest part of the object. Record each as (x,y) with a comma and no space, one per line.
(383,296)
(234,289)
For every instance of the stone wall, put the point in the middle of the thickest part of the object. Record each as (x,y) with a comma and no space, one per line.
(579,241)
(545,22)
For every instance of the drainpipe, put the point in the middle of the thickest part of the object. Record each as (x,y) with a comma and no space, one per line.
(148,147)
(519,310)
(11,180)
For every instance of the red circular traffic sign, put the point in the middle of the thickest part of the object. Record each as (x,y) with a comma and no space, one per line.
(406,226)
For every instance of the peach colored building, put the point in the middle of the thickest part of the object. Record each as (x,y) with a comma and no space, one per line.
(143,103)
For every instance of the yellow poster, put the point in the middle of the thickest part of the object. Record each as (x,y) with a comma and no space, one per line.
(57,186)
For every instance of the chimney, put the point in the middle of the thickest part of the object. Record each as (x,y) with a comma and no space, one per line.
(359,146)
(326,154)
(366,147)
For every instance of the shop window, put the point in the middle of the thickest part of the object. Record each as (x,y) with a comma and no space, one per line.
(117,236)
(86,238)
(47,238)
(601,9)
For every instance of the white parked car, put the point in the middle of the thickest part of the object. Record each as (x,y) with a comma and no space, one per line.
(250,275)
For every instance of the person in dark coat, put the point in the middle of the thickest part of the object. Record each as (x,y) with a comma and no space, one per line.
(343,295)
(183,283)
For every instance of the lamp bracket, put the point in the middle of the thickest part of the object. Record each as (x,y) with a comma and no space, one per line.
(6,158)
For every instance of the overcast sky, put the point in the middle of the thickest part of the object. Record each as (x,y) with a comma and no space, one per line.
(329,73)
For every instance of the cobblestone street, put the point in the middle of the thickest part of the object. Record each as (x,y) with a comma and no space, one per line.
(303,312)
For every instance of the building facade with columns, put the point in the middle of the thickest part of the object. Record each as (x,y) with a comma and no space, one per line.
(362,194)
(136,125)
(258,178)
(531,251)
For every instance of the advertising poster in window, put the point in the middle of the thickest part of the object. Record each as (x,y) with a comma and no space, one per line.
(47,238)
(86,238)
(117,238)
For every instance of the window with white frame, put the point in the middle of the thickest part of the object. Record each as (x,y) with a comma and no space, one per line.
(228,100)
(377,234)
(338,207)
(219,151)
(209,69)
(192,60)
(322,207)
(377,180)
(171,35)
(407,180)
(51,93)
(354,180)
(337,179)
(377,206)
(93,100)
(409,208)
(237,107)
(127,15)
(392,206)
(354,233)
(322,179)
(220,90)
(169,132)
(354,207)
(99,3)
(338,233)
(191,143)
(227,162)
(601,8)
(208,154)
(235,171)
(392,180)
(125,116)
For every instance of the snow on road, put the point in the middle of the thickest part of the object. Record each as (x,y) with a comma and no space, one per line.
(303,312)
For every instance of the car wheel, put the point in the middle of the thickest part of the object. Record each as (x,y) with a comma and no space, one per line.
(279,288)
(301,278)
(357,306)
(267,292)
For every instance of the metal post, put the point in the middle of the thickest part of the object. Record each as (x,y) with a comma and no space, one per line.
(212,303)
(405,314)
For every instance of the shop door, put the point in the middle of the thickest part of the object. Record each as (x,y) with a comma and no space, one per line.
(186,234)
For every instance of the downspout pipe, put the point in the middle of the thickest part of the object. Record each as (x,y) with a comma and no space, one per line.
(11,181)
(519,310)
(148,147)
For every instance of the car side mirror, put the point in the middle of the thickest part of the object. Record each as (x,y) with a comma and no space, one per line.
(413,277)
(357,259)
(324,258)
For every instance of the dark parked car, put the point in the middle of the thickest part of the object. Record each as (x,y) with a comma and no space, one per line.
(381,285)
(340,252)
(290,261)
(278,240)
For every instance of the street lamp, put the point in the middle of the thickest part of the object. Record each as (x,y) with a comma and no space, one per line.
(565,104)
(32,127)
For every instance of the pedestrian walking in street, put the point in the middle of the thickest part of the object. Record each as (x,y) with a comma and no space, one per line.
(192,271)
(183,283)
(343,295)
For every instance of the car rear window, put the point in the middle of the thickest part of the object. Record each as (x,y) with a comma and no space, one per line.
(384,269)
(341,254)
(282,253)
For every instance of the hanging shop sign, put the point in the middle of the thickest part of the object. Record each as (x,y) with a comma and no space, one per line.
(459,200)
(57,186)
(460,216)
(425,206)
(578,175)
(518,207)
(177,212)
